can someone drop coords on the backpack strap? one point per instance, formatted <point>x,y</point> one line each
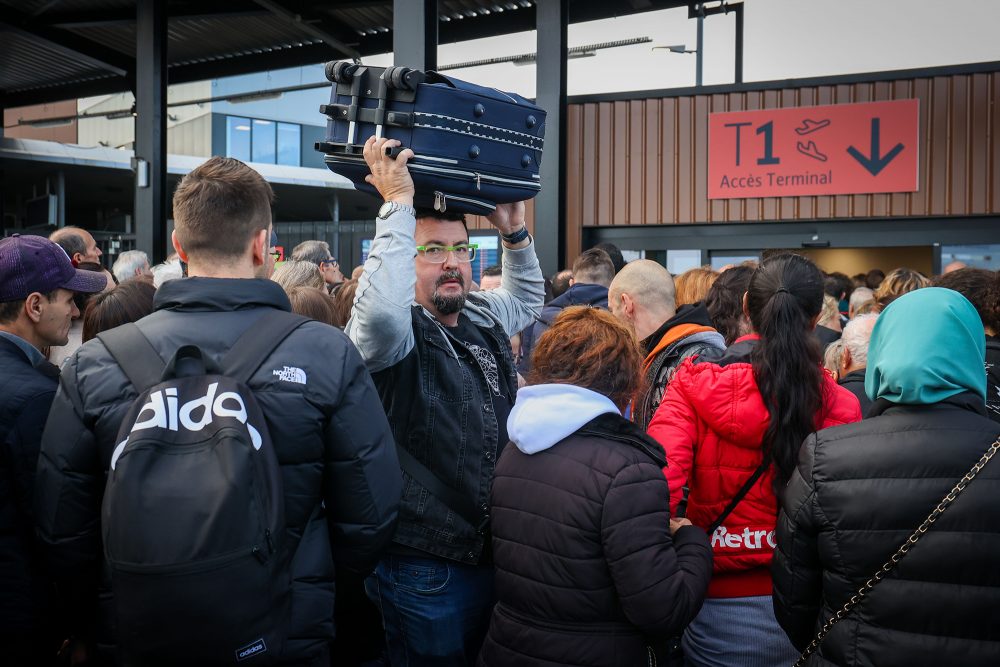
<point>135,355</point>
<point>258,342</point>
<point>457,502</point>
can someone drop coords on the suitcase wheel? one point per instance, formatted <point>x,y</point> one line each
<point>399,78</point>
<point>340,71</point>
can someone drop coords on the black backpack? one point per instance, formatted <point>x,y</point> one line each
<point>193,518</point>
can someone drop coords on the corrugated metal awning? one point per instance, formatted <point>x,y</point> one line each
<point>72,48</point>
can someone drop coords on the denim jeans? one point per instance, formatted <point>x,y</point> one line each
<point>435,612</point>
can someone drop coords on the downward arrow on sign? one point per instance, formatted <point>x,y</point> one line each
<point>876,162</point>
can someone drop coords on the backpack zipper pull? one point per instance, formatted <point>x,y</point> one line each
<point>477,181</point>
<point>270,542</point>
<point>259,555</point>
<point>440,203</point>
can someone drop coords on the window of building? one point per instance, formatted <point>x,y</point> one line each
<point>265,141</point>
<point>727,258</point>
<point>679,261</point>
<point>289,144</point>
<point>238,132</point>
<point>977,256</point>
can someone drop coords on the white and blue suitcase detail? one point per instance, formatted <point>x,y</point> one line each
<point>474,147</point>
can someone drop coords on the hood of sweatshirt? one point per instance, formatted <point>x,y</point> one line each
<point>545,414</point>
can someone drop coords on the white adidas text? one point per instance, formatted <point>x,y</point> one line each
<point>164,412</point>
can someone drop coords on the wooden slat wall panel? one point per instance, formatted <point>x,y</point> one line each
<point>993,184</point>
<point>645,161</point>
<point>979,143</point>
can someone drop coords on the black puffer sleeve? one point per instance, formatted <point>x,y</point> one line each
<point>661,582</point>
<point>68,489</point>
<point>797,571</point>
<point>362,484</point>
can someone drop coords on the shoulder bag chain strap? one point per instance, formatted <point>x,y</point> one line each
<point>898,556</point>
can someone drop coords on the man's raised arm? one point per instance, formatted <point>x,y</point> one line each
<point>381,325</point>
<point>522,286</point>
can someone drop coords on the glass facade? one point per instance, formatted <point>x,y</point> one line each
<point>263,141</point>
<point>238,132</point>
<point>289,144</point>
<point>977,256</point>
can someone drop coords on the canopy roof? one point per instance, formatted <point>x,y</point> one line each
<point>62,49</point>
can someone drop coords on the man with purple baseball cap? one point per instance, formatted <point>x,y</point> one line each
<point>37,283</point>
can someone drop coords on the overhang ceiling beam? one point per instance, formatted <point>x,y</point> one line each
<point>67,43</point>
<point>310,27</point>
<point>179,11</point>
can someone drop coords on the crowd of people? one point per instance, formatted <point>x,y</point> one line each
<point>215,460</point>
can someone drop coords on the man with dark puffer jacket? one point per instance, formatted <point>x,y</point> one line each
<point>340,473</point>
<point>642,296</point>
<point>862,489</point>
<point>37,286</point>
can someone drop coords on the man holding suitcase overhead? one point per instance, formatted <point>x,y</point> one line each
<point>442,364</point>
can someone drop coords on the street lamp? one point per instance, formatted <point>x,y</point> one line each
<point>682,48</point>
<point>676,48</point>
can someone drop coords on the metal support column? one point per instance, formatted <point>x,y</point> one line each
<point>739,42</point>
<point>151,129</point>
<point>700,49</point>
<point>552,19</point>
<point>3,194</point>
<point>415,33</point>
<point>60,198</point>
<point>334,206</point>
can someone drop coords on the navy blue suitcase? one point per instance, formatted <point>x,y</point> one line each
<point>474,147</point>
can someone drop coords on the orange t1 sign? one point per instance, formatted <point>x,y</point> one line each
<point>827,150</point>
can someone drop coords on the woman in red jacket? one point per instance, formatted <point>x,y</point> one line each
<point>732,428</point>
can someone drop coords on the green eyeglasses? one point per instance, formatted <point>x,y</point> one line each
<point>437,254</point>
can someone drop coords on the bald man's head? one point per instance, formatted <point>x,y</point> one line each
<point>78,243</point>
<point>642,294</point>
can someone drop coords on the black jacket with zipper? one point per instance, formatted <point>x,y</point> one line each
<point>859,491</point>
<point>26,394</point>
<point>587,573</point>
<point>329,431</point>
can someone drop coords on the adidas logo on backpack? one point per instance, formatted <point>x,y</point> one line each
<point>167,415</point>
<point>193,518</point>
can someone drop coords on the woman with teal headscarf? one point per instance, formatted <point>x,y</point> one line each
<point>860,490</point>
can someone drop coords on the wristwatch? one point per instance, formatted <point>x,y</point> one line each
<point>516,237</point>
<point>391,207</point>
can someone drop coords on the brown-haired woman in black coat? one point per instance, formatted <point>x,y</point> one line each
<point>590,569</point>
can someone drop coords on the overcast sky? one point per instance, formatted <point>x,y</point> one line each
<point>783,39</point>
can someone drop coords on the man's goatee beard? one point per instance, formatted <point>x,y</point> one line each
<point>448,305</point>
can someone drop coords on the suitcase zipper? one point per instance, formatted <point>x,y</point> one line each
<point>476,176</point>
<point>441,202</point>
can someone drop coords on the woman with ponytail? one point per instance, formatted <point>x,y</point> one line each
<point>732,428</point>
